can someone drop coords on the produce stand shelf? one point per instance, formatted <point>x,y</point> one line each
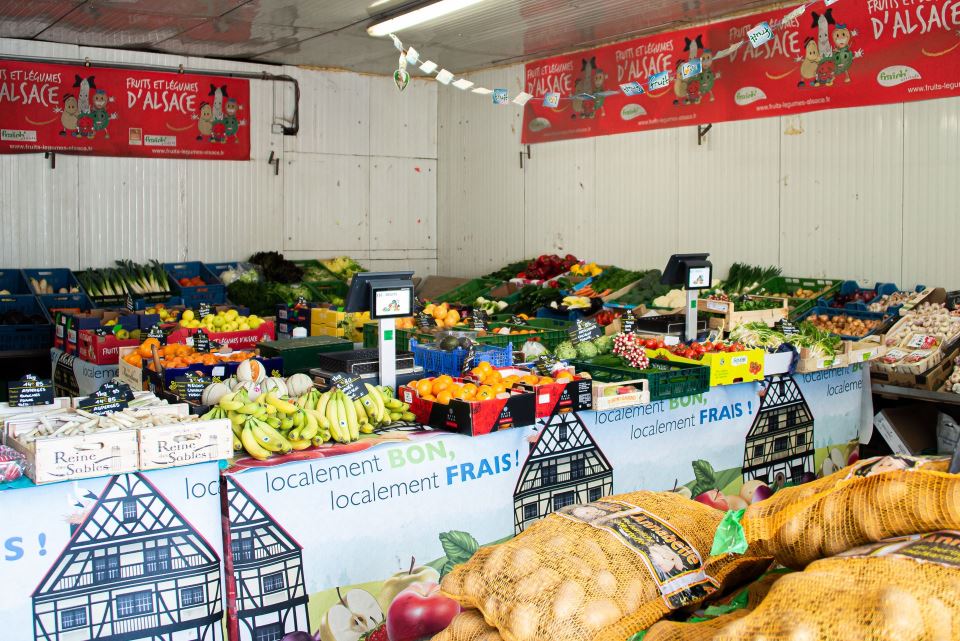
<point>667,379</point>
<point>912,393</point>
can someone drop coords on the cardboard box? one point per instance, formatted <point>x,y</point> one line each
<point>326,316</point>
<point>433,286</point>
<point>92,320</point>
<point>920,375</point>
<point>238,340</point>
<point>51,460</point>
<point>102,350</point>
<point>731,317</point>
<point>473,418</point>
<point>777,362</point>
<point>73,376</point>
<point>726,368</point>
<point>325,330</point>
<point>604,400</point>
<point>553,398</point>
<point>184,443</point>
<point>909,430</point>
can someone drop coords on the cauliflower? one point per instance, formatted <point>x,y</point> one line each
<point>604,344</point>
<point>565,351</point>
<point>587,350</point>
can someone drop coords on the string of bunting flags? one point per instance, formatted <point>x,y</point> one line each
<point>757,37</point>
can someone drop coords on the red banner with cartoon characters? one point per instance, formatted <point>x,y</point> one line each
<point>98,111</point>
<point>836,53</point>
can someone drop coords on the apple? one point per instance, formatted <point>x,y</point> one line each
<point>420,611</point>
<point>357,614</point>
<point>754,491</point>
<point>713,498</point>
<point>403,580</point>
<point>854,455</point>
<point>684,491</point>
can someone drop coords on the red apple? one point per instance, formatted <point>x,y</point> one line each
<point>420,611</point>
<point>713,498</point>
<point>854,455</point>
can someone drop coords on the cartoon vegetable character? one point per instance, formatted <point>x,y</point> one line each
<point>68,119</point>
<point>101,118</point>
<point>811,58</point>
<point>707,76</point>
<point>842,55</point>
<point>205,121</point>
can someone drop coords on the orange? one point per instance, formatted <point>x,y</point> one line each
<point>564,375</point>
<point>455,392</point>
<point>145,347</point>
<point>445,378</point>
<point>412,384</point>
<point>482,368</point>
<point>493,376</point>
<point>499,389</point>
<point>429,397</point>
<point>546,380</point>
<point>444,397</point>
<point>513,378</point>
<point>439,385</point>
<point>484,393</point>
<point>469,390</point>
<point>425,388</point>
<point>530,379</point>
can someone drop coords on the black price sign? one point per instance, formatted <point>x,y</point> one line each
<point>583,331</point>
<point>203,310</point>
<point>480,320</point>
<point>111,397</point>
<point>30,391</point>
<point>516,320</point>
<point>425,321</point>
<point>468,360</point>
<point>787,328</point>
<point>128,303</point>
<point>417,306</point>
<point>190,387</point>
<point>629,323</point>
<point>157,333</point>
<point>349,385</point>
<point>545,364</point>
<point>201,341</point>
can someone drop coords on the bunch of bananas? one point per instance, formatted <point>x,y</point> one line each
<point>273,425</point>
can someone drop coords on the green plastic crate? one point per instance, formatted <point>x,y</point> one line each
<point>321,290</point>
<point>666,378</point>
<point>469,291</point>
<point>371,337</point>
<point>798,306</point>
<point>551,332</point>
<point>300,354</point>
<point>305,264</point>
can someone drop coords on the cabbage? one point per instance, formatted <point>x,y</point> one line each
<point>565,351</point>
<point>587,350</point>
<point>604,344</point>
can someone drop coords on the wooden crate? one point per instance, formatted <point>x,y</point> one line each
<point>602,402</point>
<point>184,443</point>
<point>731,317</point>
<point>53,459</point>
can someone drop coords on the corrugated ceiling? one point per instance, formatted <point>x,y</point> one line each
<point>332,33</point>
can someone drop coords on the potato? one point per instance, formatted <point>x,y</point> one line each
<point>524,622</point>
<point>599,614</point>
<point>568,599</point>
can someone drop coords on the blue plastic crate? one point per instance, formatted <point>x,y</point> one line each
<point>13,281</point>
<point>25,337</point>
<point>437,362</point>
<point>65,301</point>
<point>57,277</point>
<point>213,292</point>
<point>218,268</point>
<point>831,311</point>
<point>572,315</point>
<point>140,304</point>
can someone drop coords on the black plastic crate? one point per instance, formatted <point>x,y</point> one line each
<point>360,361</point>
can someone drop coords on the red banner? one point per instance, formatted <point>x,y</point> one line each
<point>848,54</point>
<point>98,111</point>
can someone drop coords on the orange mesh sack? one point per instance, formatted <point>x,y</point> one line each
<point>469,626</point>
<point>869,501</point>
<point>600,571</point>
<point>704,625</point>
<point>906,590</point>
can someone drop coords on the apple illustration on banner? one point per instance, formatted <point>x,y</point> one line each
<point>420,611</point>
<point>403,580</point>
<point>357,615</point>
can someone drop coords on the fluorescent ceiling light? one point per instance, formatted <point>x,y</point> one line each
<point>418,16</point>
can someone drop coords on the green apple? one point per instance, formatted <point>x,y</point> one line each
<point>402,580</point>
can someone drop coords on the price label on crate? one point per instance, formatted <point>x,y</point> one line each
<point>128,302</point>
<point>923,341</point>
<point>468,360</point>
<point>111,397</point>
<point>480,320</point>
<point>157,333</point>
<point>628,323</point>
<point>191,386</point>
<point>30,391</point>
<point>349,385</point>
<point>425,321</point>
<point>584,330</point>
<point>203,310</point>
<point>201,341</point>
<point>787,328</point>
<point>516,320</point>
<point>545,364</point>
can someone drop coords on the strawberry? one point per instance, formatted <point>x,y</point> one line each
<point>379,633</point>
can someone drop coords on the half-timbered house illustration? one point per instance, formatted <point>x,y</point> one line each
<point>133,569</point>
<point>267,571</point>
<point>564,467</point>
<point>780,441</point>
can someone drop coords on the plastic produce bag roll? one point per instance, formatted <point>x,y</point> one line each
<point>600,571</point>
<point>871,500</point>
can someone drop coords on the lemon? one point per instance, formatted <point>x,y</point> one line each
<point>188,315</point>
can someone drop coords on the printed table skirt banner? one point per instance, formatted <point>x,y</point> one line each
<point>382,514</point>
<point>835,54</point>
<point>99,111</point>
<point>134,556</point>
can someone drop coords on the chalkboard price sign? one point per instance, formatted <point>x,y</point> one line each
<point>30,391</point>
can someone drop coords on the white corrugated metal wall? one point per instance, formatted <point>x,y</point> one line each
<point>360,179</point>
<point>862,193</point>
